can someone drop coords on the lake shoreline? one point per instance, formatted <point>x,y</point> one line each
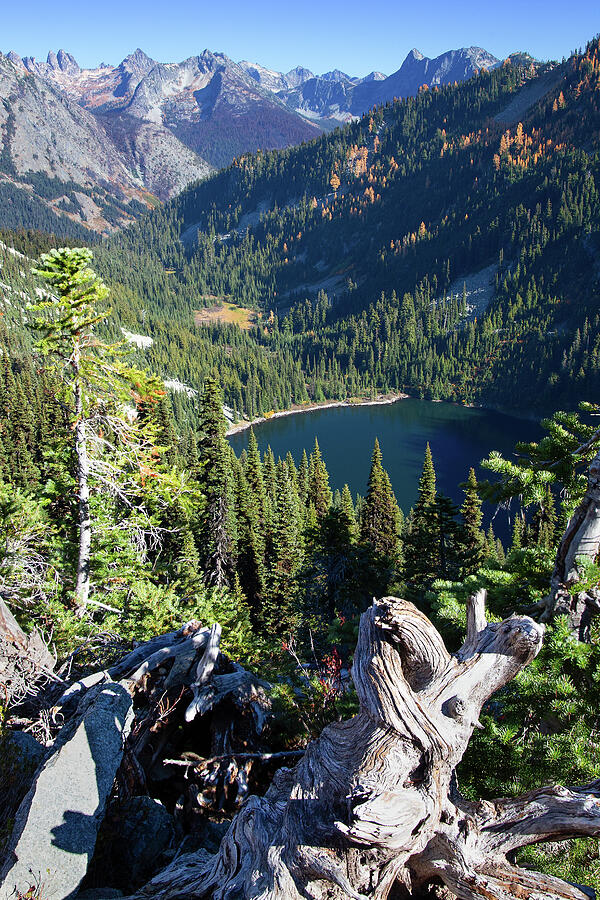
<point>312,407</point>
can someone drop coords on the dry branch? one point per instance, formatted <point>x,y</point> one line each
<point>581,540</point>
<point>373,803</point>
<point>26,663</point>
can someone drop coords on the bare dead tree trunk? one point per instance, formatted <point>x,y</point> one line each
<point>580,540</point>
<point>374,804</point>
<point>25,660</point>
<point>82,587</point>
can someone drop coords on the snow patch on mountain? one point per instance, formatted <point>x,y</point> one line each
<point>142,341</point>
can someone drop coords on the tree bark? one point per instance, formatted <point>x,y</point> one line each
<point>374,805</point>
<point>580,540</point>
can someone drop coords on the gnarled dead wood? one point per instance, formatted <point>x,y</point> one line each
<point>580,540</point>
<point>176,679</point>
<point>374,801</point>
<point>26,662</point>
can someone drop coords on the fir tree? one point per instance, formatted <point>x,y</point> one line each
<point>421,549</point>
<point>543,524</point>
<point>379,519</point>
<point>318,490</point>
<point>303,477</point>
<point>281,614</point>
<point>216,528</point>
<point>347,508</point>
<point>250,550</point>
<point>517,533</point>
<point>270,481</point>
<point>472,535</point>
<point>254,476</point>
<point>450,538</point>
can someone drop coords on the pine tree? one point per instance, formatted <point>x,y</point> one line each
<point>472,516</point>
<point>318,490</point>
<point>97,384</point>
<point>217,519</point>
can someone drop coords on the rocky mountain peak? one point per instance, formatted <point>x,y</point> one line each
<point>336,75</point>
<point>298,76</point>
<point>62,62</point>
<point>14,58</point>
<point>480,57</point>
<point>138,61</point>
<point>67,63</point>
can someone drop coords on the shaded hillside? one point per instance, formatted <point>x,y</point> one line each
<point>206,104</point>
<point>57,158</point>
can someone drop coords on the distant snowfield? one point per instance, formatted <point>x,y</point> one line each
<point>142,341</point>
<point>173,384</point>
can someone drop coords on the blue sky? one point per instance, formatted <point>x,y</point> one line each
<point>356,37</point>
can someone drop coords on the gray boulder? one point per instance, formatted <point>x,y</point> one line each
<point>30,752</point>
<point>134,835</point>
<point>57,823</point>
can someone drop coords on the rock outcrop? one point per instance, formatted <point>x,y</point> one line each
<point>92,810</point>
<point>372,808</point>
<point>56,826</point>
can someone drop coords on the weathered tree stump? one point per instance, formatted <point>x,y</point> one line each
<point>373,809</point>
<point>580,540</point>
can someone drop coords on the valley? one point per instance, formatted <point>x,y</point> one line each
<point>300,476</point>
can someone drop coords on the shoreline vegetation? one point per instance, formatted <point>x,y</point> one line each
<point>311,407</point>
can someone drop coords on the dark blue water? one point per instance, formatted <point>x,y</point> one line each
<point>459,438</point>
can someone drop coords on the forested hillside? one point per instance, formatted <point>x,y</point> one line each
<point>355,249</point>
<point>359,253</point>
<point>115,528</point>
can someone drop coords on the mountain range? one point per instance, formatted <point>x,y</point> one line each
<point>96,146</point>
<point>340,97</point>
<point>445,245</point>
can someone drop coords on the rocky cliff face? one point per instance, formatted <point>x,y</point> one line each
<point>338,96</point>
<point>115,133</point>
<point>61,154</point>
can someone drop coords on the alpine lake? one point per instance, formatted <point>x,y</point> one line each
<point>459,437</point>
